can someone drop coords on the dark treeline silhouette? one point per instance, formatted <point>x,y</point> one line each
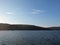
<point>24,27</point>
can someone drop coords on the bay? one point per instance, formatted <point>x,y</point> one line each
<point>30,37</point>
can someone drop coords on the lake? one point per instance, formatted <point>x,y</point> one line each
<point>30,37</point>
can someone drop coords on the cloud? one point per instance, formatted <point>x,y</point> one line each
<point>9,13</point>
<point>35,11</point>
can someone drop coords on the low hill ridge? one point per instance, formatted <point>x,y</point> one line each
<point>20,27</point>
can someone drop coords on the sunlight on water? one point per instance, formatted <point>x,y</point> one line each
<point>30,37</point>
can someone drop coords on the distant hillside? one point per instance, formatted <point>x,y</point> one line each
<point>24,27</point>
<point>4,26</point>
<point>21,27</point>
<point>55,28</point>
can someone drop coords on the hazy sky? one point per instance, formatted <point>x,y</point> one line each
<point>35,12</point>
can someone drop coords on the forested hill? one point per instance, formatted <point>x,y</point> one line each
<point>20,27</point>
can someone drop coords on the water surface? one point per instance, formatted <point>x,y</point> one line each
<point>30,37</point>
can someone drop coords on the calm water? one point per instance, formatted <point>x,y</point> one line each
<point>30,37</point>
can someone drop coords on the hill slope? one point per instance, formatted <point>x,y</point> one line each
<point>21,27</point>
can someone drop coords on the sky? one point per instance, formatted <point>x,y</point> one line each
<point>35,12</point>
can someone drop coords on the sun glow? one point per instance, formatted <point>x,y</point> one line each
<point>4,19</point>
<point>7,19</point>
